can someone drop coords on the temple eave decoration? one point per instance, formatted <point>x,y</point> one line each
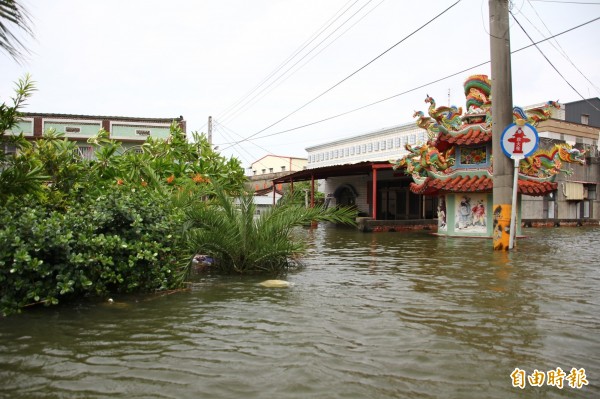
<point>477,184</point>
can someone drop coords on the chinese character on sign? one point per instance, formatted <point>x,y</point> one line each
<point>577,378</point>
<point>556,377</point>
<point>518,378</point>
<point>518,139</point>
<point>537,378</point>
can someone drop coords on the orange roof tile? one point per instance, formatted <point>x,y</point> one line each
<point>472,136</point>
<point>477,184</point>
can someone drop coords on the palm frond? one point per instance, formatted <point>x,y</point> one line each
<point>228,230</point>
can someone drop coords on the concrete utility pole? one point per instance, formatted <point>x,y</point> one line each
<point>502,105</point>
<point>210,130</point>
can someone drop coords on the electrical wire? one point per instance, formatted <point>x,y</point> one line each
<point>226,114</point>
<point>249,103</point>
<point>414,88</point>
<point>311,38</point>
<point>221,125</point>
<point>355,72</point>
<point>559,49</point>
<point>550,62</point>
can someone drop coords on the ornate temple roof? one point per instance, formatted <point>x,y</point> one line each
<point>432,165</point>
<point>478,184</point>
<point>474,135</point>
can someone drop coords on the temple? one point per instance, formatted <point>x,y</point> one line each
<point>455,163</point>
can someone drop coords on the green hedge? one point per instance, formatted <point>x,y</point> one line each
<point>119,242</point>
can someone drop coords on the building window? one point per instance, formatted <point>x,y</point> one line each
<point>585,119</point>
<point>10,149</point>
<point>352,150</point>
<point>397,142</point>
<point>270,170</point>
<point>363,148</point>
<point>86,152</point>
<point>264,171</point>
<point>591,191</point>
<point>283,168</point>
<point>346,151</point>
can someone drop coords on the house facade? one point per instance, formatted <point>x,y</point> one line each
<point>261,173</point>
<point>130,131</point>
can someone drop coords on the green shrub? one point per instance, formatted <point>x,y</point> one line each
<point>119,242</point>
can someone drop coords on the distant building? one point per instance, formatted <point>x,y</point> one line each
<point>261,173</point>
<point>130,131</point>
<point>585,112</point>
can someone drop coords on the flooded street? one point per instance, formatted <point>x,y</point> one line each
<point>382,315</point>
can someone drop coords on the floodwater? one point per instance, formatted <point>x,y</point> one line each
<point>382,315</point>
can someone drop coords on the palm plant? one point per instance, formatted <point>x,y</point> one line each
<point>12,14</point>
<point>229,230</point>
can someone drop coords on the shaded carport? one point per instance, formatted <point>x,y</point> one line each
<point>361,168</point>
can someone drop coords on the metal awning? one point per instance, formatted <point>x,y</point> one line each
<point>361,168</point>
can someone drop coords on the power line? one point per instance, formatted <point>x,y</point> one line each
<point>311,38</point>
<point>221,125</point>
<point>550,62</point>
<point>353,73</point>
<point>415,88</point>
<point>559,49</point>
<point>249,103</point>
<point>303,46</point>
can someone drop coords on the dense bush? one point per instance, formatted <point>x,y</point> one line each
<point>122,241</point>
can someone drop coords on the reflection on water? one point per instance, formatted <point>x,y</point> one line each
<point>383,315</point>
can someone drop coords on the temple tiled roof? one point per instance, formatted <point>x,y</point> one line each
<point>477,184</point>
<point>535,188</point>
<point>472,136</point>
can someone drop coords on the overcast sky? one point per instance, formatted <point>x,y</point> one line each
<point>256,66</point>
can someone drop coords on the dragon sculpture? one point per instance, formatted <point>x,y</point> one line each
<point>449,117</point>
<point>425,157</point>
<point>547,163</point>
<point>535,115</point>
<point>445,125</point>
<point>427,123</point>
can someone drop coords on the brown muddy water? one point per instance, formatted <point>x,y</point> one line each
<point>382,315</point>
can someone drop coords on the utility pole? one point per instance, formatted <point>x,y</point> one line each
<point>210,130</point>
<point>502,105</point>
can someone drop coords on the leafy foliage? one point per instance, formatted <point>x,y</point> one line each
<point>13,14</point>
<point>229,230</point>
<point>122,241</point>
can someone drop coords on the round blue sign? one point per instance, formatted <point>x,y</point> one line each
<point>519,141</point>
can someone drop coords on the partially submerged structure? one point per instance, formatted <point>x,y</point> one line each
<point>455,164</point>
<point>447,154</point>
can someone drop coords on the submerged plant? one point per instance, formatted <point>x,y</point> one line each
<point>229,230</point>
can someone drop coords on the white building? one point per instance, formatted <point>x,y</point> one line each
<point>276,164</point>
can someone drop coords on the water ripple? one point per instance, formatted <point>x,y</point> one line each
<point>370,316</point>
